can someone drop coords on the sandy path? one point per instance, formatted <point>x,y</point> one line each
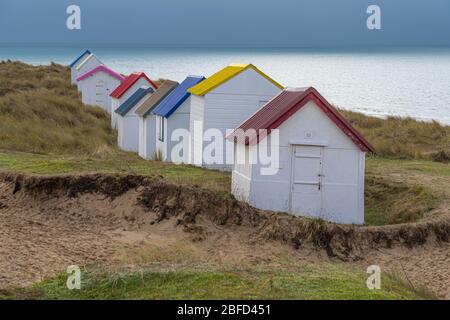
<point>426,267</point>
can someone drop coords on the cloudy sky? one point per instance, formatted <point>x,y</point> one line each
<point>291,23</point>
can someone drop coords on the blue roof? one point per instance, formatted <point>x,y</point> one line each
<point>133,100</point>
<point>177,96</point>
<point>79,57</point>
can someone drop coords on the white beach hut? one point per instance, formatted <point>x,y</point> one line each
<point>221,102</point>
<point>320,171</point>
<point>128,120</point>
<point>73,66</point>
<point>149,129</point>
<point>87,64</point>
<point>172,113</point>
<point>97,84</point>
<point>126,89</point>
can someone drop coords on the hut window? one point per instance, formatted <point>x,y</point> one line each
<point>161,128</point>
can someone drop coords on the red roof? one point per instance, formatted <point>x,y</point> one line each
<point>284,105</point>
<point>128,82</point>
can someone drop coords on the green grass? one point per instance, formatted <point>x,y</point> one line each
<point>389,202</point>
<point>398,191</point>
<point>122,163</point>
<point>376,165</point>
<point>312,282</point>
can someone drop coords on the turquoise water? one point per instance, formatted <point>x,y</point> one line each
<point>394,81</point>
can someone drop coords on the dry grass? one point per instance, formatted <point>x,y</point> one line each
<point>390,202</point>
<point>41,112</point>
<point>403,138</point>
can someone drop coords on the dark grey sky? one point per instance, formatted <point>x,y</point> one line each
<point>226,22</point>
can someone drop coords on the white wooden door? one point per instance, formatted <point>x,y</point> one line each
<point>306,180</point>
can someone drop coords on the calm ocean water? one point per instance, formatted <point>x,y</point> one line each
<point>393,81</point>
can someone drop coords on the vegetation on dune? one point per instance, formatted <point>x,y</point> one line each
<point>311,282</point>
<point>403,138</point>
<point>41,112</point>
<point>389,202</point>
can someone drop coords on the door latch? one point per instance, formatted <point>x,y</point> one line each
<point>320,180</point>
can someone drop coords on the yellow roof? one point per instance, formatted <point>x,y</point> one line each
<point>223,76</point>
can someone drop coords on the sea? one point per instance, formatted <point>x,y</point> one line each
<point>383,81</point>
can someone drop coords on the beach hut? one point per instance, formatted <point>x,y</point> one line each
<point>97,84</point>
<point>148,127</point>
<point>73,66</point>
<point>128,120</point>
<point>221,102</point>
<point>320,170</point>
<point>174,112</point>
<point>129,86</point>
<point>87,64</point>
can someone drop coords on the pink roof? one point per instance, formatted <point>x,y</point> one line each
<point>101,68</point>
<point>284,105</point>
<point>128,83</point>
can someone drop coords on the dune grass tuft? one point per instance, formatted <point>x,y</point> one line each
<point>389,202</point>
<point>402,138</point>
<point>40,112</point>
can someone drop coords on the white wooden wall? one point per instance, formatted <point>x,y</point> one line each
<point>128,132</point>
<point>128,128</point>
<point>197,113</point>
<point>147,136</point>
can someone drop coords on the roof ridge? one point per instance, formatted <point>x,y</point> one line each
<point>225,74</point>
<point>133,100</point>
<point>72,64</point>
<point>288,102</point>
<point>164,90</point>
<point>86,60</point>
<point>103,68</point>
<point>129,81</point>
<point>177,97</point>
